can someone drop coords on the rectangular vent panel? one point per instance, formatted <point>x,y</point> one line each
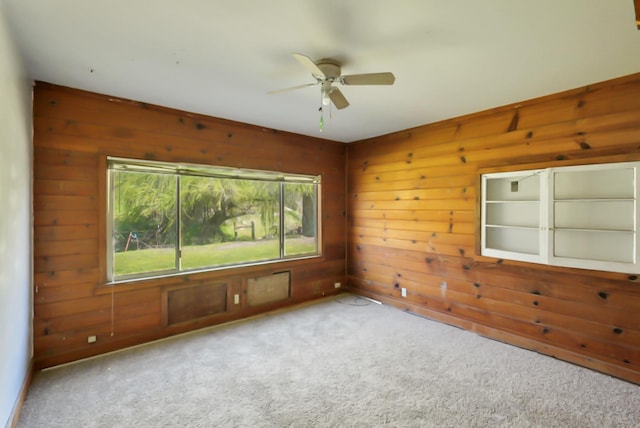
<point>268,288</point>
<point>185,304</point>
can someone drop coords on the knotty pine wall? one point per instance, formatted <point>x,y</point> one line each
<point>74,132</point>
<point>413,222</point>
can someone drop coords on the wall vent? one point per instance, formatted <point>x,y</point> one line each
<point>185,304</point>
<point>268,289</point>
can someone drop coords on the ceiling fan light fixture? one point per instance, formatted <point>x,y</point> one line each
<point>325,98</point>
<point>326,94</point>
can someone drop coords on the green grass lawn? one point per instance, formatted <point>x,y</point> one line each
<point>292,221</point>
<point>201,256</point>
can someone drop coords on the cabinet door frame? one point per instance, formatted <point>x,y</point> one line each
<point>633,266</point>
<point>515,176</point>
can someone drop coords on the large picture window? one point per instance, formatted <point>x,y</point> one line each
<point>166,218</point>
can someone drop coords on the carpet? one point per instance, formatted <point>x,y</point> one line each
<point>340,362</point>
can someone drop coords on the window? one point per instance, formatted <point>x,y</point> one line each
<point>167,218</point>
<point>575,216</point>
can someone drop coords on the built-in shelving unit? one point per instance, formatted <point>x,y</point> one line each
<point>512,215</point>
<point>577,216</point>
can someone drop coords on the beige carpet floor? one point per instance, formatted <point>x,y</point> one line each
<point>342,362</point>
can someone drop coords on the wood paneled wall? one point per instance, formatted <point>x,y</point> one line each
<point>413,222</point>
<point>74,133</point>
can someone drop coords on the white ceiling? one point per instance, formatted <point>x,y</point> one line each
<point>221,57</point>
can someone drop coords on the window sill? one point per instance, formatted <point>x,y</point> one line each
<point>201,274</point>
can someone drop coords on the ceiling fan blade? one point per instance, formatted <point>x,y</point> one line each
<point>277,91</point>
<point>309,64</point>
<point>369,79</point>
<point>338,99</point>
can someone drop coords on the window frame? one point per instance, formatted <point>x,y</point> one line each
<point>179,169</point>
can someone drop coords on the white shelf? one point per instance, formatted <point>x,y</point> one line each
<point>513,201</point>
<point>594,245</point>
<point>519,240</point>
<point>594,200</point>
<point>506,226</point>
<point>577,229</point>
<point>605,215</point>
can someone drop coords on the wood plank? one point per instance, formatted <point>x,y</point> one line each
<point>72,307</point>
<point>69,247</point>
<point>65,187</point>
<point>415,194</point>
<point>65,202</point>
<point>428,247</point>
<point>62,172</point>
<point>65,233</point>
<point>418,216</point>
<point>65,262</point>
<point>369,183</point>
<point>56,293</point>
<point>460,204</point>
<point>421,232</point>
<point>418,177</point>
<point>60,278</point>
<point>61,325</point>
<point>46,157</point>
<point>432,228</point>
<point>64,217</point>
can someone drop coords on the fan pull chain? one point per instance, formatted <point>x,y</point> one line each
<point>321,119</point>
<point>112,301</point>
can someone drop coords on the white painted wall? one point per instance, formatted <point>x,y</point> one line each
<point>16,234</point>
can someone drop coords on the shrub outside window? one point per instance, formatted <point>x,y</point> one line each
<point>167,218</point>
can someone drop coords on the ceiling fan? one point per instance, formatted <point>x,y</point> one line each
<point>327,72</point>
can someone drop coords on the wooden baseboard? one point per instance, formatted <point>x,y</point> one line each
<point>17,407</point>
<point>511,338</point>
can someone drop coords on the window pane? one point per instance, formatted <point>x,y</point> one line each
<point>300,219</point>
<point>228,221</point>
<point>221,216</point>
<point>144,222</point>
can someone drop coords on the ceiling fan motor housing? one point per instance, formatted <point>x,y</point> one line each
<point>330,68</point>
